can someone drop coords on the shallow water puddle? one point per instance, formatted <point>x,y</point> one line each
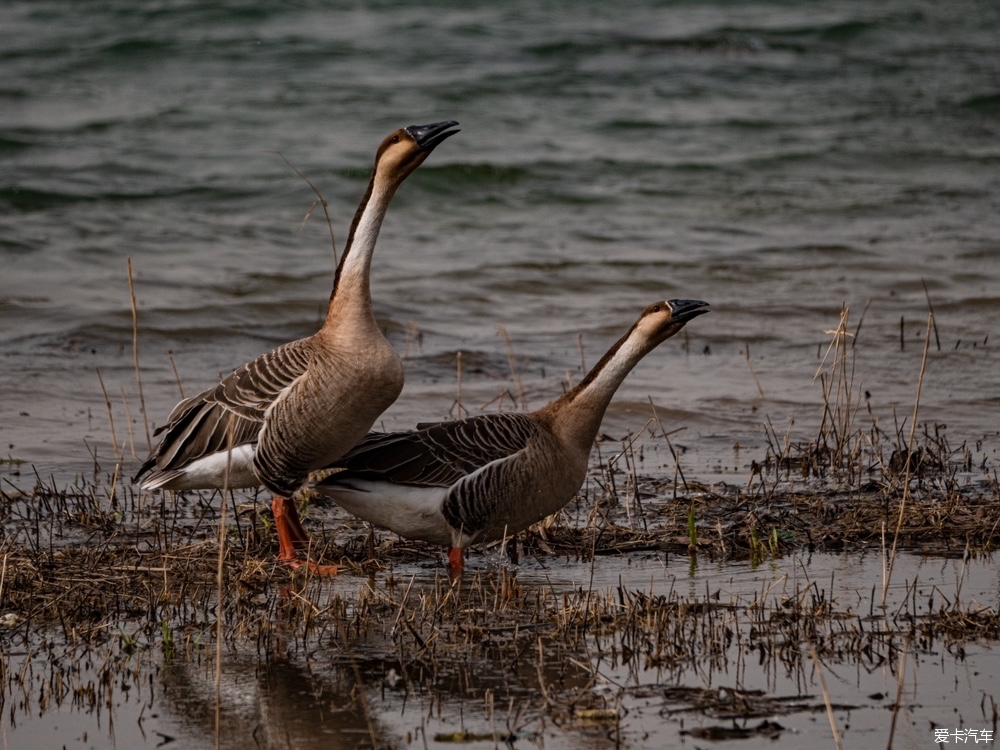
<point>728,663</point>
<point>757,692</point>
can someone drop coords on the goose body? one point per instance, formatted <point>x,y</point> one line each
<point>306,403</point>
<point>485,477</point>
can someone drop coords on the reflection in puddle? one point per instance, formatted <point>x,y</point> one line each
<point>644,651</point>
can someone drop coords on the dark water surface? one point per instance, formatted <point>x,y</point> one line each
<point>776,159</point>
<point>779,159</point>
<point>308,697</point>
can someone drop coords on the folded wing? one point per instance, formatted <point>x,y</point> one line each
<point>437,455</point>
<point>200,426</point>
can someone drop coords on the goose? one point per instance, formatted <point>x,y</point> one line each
<point>486,477</point>
<point>306,403</point>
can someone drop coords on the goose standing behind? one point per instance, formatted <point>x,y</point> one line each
<point>490,476</point>
<point>306,403</point>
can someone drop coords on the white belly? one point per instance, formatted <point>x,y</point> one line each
<point>209,473</point>
<point>411,512</point>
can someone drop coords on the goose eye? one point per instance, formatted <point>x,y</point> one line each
<point>395,139</point>
<point>656,308</point>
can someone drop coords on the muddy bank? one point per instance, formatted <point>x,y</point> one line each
<point>647,610</point>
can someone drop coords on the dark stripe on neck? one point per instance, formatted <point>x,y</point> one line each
<point>350,234</point>
<point>601,364</point>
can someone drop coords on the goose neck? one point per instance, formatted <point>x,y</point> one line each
<point>351,285</point>
<point>578,413</point>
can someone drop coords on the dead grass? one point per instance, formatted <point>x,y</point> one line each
<point>93,571</point>
<point>101,586</point>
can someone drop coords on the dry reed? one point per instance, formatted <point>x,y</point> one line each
<point>909,454</point>
<point>514,373</point>
<point>86,562</point>
<point>135,356</point>
<point>320,200</point>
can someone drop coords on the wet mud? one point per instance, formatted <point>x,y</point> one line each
<point>647,613</point>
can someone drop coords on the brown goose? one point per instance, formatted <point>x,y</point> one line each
<point>481,478</point>
<point>306,403</point>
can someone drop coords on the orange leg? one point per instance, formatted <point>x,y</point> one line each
<point>456,562</point>
<point>292,537</point>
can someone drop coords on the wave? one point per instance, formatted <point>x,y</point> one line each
<point>144,50</point>
<point>460,175</point>
<point>28,200</point>
<point>724,40</point>
<point>987,104</point>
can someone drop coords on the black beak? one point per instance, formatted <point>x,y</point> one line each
<point>683,310</point>
<point>429,136</point>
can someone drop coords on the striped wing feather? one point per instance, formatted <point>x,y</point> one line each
<point>200,426</point>
<point>475,502</point>
<point>437,455</point>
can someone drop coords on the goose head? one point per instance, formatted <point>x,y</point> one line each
<point>661,320</point>
<point>405,149</point>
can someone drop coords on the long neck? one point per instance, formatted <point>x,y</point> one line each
<point>577,415</point>
<point>351,285</point>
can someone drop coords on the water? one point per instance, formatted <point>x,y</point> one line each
<point>776,159</point>
<point>306,697</point>
<point>779,159</point>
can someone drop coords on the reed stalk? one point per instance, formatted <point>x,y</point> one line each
<point>899,691</point>
<point>135,356</point>
<point>111,418</point>
<point>746,356</point>
<point>220,585</point>
<point>320,200</point>
<point>930,309</point>
<point>177,377</point>
<point>910,459</point>
<point>512,361</point>
<point>670,446</point>
<point>826,697</point>
<point>3,577</point>
<point>458,386</point>
<point>128,422</point>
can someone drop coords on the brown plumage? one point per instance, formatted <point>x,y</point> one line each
<point>481,478</point>
<point>305,403</point>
